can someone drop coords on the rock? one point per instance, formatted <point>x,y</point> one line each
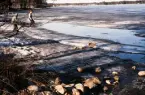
<point>92,82</point>
<point>115,83</point>
<point>75,92</point>
<point>108,82</point>
<point>89,83</point>
<point>60,89</point>
<point>57,81</point>
<point>141,73</point>
<point>96,80</point>
<point>98,70</point>
<point>67,93</point>
<point>105,88</point>
<point>38,83</point>
<point>47,93</point>
<point>116,78</point>
<point>133,67</point>
<point>32,88</point>
<point>92,45</point>
<point>80,69</point>
<point>80,87</point>
<point>115,73</point>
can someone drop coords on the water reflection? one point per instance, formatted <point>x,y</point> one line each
<point>130,42</point>
<point>117,35</point>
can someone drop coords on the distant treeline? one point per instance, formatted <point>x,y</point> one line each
<point>103,3</point>
<point>25,4</point>
<point>21,4</point>
<point>3,4</point>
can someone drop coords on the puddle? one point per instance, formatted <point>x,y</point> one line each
<point>135,57</point>
<point>133,49</point>
<point>130,42</point>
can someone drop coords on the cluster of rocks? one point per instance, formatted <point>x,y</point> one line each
<point>89,45</point>
<point>140,73</point>
<point>60,88</point>
<point>89,86</point>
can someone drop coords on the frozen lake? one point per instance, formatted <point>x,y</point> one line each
<point>127,38</point>
<point>132,45</point>
<point>117,35</point>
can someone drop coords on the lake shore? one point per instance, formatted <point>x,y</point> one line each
<point>47,51</point>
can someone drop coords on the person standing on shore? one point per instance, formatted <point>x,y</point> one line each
<point>32,22</point>
<point>15,23</point>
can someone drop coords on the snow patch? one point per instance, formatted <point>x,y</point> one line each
<point>21,52</point>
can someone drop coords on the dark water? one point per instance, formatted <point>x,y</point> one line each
<point>135,57</point>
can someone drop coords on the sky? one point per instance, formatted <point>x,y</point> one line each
<point>83,1</point>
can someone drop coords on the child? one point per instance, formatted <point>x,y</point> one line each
<point>15,23</point>
<point>32,22</point>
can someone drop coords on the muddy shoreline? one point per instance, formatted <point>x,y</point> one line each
<point>63,63</point>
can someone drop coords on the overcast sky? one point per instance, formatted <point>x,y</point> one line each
<point>83,1</point>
